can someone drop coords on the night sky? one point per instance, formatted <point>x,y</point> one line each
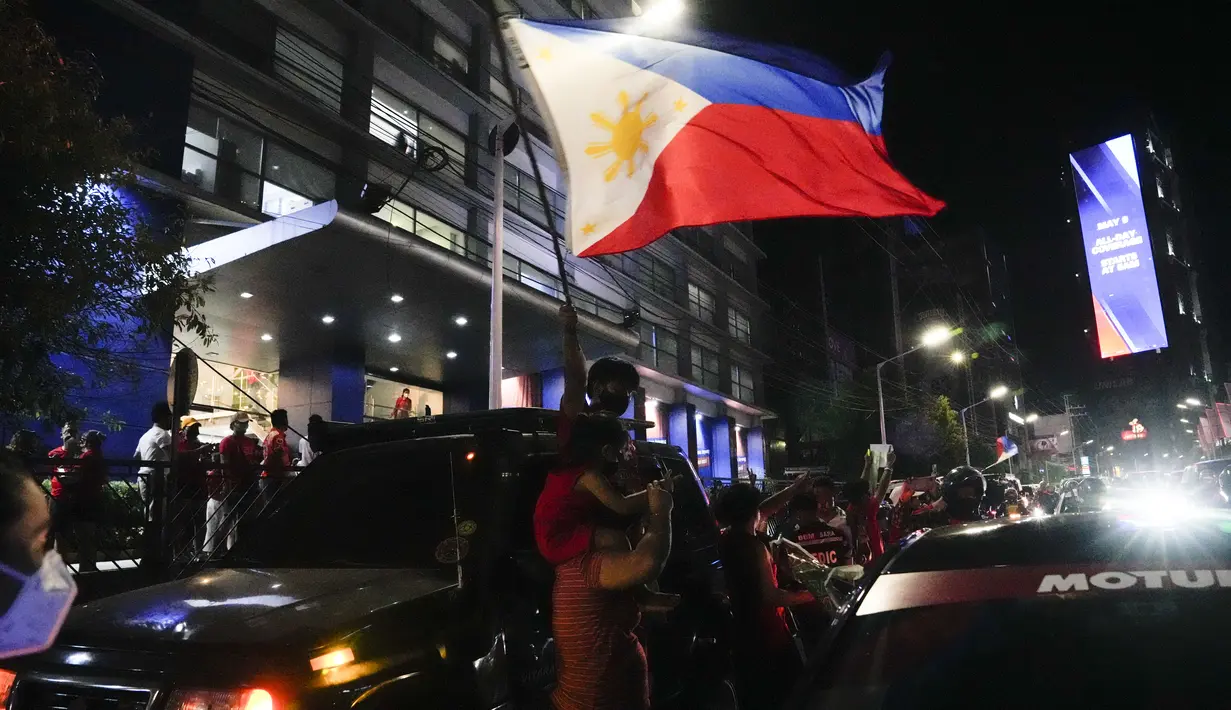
<point>982,109</point>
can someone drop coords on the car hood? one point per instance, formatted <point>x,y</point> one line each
<point>248,605</point>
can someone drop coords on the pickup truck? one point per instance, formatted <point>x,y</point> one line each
<point>398,570</point>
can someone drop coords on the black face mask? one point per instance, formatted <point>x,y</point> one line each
<point>612,402</point>
<point>964,509</point>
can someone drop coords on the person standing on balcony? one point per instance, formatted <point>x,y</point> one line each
<point>154,446</point>
<point>89,500</point>
<point>404,405</point>
<point>229,488</point>
<point>62,480</point>
<point>307,450</point>
<point>276,463</point>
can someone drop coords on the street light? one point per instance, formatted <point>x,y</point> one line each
<point>1063,433</point>
<point>1015,417</point>
<point>931,338</point>
<point>1193,402</point>
<point>1111,448</point>
<point>996,393</point>
<point>1032,418</point>
<point>1184,421</point>
<point>957,357</point>
<point>1181,406</point>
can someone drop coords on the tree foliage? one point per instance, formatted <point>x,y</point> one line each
<point>86,277</point>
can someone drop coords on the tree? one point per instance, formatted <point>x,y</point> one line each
<point>950,440</point>
<point>87,279</point>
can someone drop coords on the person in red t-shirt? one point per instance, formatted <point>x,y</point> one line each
<point>403,405</point>
<point>862,513</point>
<point>276,461</point>
<point>61,503</point>
<point>230,489</point>
<point>88,499</point>
<point>190,495</point>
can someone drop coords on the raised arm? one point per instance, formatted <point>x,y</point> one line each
<point>776,502</point>
<point>599,487</point>
<point>626,569</point>
<point>573,401</point>
<point>869,471</point>
<point>882,487</point>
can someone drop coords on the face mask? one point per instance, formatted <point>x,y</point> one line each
<point>31,624</point>
<point>613,402</point>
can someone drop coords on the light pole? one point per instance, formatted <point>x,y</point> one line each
<point>931,338</point>
<point>997,392</point>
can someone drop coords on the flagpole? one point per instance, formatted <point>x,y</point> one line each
<point>496,354</point>
<point>503,50</point>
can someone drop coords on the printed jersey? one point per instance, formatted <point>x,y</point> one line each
<point>827,544</point>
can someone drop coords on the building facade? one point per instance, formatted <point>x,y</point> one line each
<point>277,127</point>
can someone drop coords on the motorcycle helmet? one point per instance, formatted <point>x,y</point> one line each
<point>1011,495</point>
<point>963,490</point>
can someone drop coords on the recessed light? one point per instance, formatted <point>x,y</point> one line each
<point>326,319</point>
<point>393,369</point>
<point>395,338</point>
<point>267,337</point>
<point>451,355</point>
<point>461,320</point>
<point>396,298</point>
<point>245,294</point>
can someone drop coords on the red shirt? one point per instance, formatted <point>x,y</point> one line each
<point>57,488</point>
<point>92,475</point>
<point>239,473</point>
<point>563,516</point>
<point>192,470</point>
<point>600,662</point>
<point>277,455</point>
<point>871,527</point>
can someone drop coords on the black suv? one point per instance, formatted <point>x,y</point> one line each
<point>399,570</point>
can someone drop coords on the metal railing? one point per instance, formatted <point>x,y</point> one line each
<point>144,518</point>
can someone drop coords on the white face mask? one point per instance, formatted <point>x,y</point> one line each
<point>31,624</point>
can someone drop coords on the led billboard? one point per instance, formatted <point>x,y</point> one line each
<point>1127,309</point>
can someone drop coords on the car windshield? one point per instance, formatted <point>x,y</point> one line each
<point>1136,649</point>
<point>377,506</point>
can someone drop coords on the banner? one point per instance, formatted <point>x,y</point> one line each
<point>1224,418</point>
<point>1215,432</point>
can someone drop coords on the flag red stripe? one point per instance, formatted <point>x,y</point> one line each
<point>732,163</point>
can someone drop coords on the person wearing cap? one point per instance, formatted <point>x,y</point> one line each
<point>228,494</point>
<point>191,484</point>
<point>88,499</point>
<point>276,459</point>
<point>154,446</point>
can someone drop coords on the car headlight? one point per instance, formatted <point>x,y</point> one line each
<point>241,699</point>
<point>6,686</point>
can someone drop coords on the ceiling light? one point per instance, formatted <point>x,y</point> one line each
<point>1193,402</point>
<point>327,319</point>
<point>267,337</point>
<point>698,416</point>
<point>452,355</point>
<point>245,294</point>
<point>460,320</point>
<point>393,369</point>
<point>396,298</point>
<point>395,338</point>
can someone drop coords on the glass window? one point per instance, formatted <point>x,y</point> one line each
<point>741,383</point>
<point>739,326</point>
<point>297,174</point>
<point>222,157</point>
<point>700,303</point>
<point>500,92</point>
<point>440,135</point>
<point>399,214</point>
<point>1179,297</point>
<point>279,201</point>
<point>705,366</point>
<point>1158,183</point>
<point>660,348</point>
<point>451,55</point>
<point>394,121</point>
<point>308,68</point>
<point>198,169</point>
<point>439,232</point>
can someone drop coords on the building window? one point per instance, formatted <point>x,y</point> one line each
<point>741,383</point>
<point>739,326</point>
<point>402,125</point>
<point>580,9</point>
<point>1170,243</point>
<point>237,163</point>
<point>308,68</point>
<point>430,228</point>
<point>648,271</point>
<point>660,348</point>
<point>1167,157</point>
<point>700,303</point>
<point>499,91</point>
<point>705,366</point>
<point>1179,298</point>
<point>451,56</point>
<point>1158,183</point>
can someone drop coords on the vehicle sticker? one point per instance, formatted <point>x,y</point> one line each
<point>452,550</point>
<point>467,527</point>
<point>892,592</point>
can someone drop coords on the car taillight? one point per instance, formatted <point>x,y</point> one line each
<point>6,685</point>
<point>245,699</point>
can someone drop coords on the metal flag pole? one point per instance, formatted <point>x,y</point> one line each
<point>503,50</point>
<point>502,140</point>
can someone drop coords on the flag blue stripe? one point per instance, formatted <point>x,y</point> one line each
<point>724,78</point>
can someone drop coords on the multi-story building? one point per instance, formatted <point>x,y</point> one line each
<point>274,125</point>
<point>1151,387</point>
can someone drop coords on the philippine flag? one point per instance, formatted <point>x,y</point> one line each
<point>1005,449</point>
<point>657,133</point>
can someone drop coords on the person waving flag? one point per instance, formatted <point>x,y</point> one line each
<point>659,132</point>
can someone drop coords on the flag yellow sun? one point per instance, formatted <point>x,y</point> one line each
<point>626,136</point>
